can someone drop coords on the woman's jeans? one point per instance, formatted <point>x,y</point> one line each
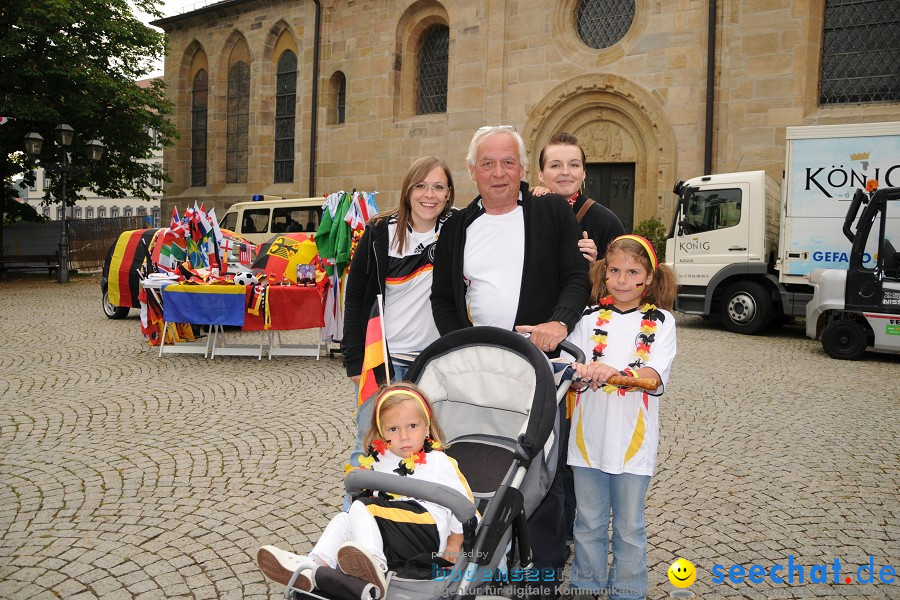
<point>364,419</point>
<point>626,496</point>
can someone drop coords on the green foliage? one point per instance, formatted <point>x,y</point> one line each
<point>76,62</point>
<point>14,211</point>
<point>655,231</point>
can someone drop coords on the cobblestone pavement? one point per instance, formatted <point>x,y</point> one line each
<point>123,475</point>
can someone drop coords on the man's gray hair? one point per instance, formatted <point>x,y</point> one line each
<point>484,132</point>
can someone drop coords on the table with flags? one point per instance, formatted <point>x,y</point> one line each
<point>277,308</point>
<point>269,309</point>
<point>192,285</point>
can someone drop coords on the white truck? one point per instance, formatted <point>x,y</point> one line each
<point>742,246</point>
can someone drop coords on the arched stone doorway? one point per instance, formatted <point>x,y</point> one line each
<point>619,123</point>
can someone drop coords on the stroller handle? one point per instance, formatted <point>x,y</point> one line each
<point>644,383</point>
<point>572,349</point>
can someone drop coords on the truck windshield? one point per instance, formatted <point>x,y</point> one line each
<point>708,210</point>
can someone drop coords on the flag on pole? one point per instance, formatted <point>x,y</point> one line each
<point>5,120</point>
<point>245,254</point>
<point>225,248</point>
<point>362,208</point>
<point>173,250</point>
<point>203,225</point>
<point>375,354</point>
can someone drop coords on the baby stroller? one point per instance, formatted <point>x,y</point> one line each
<point>496,397</point>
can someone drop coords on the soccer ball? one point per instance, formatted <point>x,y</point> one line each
<point>245,278</point>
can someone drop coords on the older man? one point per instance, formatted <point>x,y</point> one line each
<point>506,250</point>
<point>511,261</point>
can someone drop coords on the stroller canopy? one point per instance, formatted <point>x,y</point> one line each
<point>489,381</point>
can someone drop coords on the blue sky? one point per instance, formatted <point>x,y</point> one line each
<point>169,8</point>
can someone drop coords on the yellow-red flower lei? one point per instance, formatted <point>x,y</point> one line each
<point>406,466</point>
<point>644,339</point>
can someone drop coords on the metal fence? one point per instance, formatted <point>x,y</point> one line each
<point>89,239</point>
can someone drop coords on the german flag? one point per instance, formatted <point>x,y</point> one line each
<point>125,258</point>
<point>375,355</point>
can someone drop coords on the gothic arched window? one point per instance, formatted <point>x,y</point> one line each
<point>285,112</point>
<point>431,84</point>
<point>238,123</point>
<point>199,106</point>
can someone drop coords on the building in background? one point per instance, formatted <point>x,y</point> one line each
<point>94,206</point>
<point>656,91</point>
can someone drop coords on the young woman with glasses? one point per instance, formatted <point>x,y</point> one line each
<point>394,258</point>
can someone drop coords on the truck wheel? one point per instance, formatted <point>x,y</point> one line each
<point>746,308</point>
<point>845,339</point>
<point>111,310</point>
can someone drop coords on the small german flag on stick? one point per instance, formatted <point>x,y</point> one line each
<point>375,355</point>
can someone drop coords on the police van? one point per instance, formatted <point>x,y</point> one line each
<point>264,217</point>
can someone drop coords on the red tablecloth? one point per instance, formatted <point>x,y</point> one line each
<point>290,307</point>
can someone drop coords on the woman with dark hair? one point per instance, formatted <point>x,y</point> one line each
<point>562,172</point>
<point>394,258</point>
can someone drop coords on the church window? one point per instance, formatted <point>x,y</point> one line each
<point>602,23</point>
<point>860,52</point>
<point>285,113</point>
<point>199,105</point>
<point>431,90</point>
<point>238,123</point>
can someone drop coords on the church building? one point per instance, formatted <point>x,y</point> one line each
<point>307,97</point>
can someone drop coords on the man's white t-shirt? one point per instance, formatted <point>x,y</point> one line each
<point>492,266</point>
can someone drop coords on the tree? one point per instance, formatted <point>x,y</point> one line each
<point>654,230</point>
<point>76,62</point>
<point>18,211</point>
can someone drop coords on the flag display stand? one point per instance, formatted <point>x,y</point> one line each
<point>287,308</point>
<point>203,348</point>
<point>294,349</point>
<point>226,349</point>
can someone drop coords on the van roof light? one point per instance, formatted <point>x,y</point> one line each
<point>256,197</point>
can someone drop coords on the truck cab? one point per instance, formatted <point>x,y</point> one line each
<point>722,245</point>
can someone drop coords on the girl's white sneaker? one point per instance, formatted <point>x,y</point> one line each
<point>355,560</point>
<point>279,566</point>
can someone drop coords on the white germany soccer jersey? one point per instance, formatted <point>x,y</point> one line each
<point>408,321</point>
<point>612,430</point>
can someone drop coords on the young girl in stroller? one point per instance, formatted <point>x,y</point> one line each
<point>382,532</point>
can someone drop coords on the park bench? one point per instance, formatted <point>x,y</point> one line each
<point>29,261</point>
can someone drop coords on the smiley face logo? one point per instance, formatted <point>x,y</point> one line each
<point>682,573</point>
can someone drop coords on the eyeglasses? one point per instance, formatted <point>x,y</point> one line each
<point>513,127</point>
<point>438,188</point>
<point>508,164</point>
